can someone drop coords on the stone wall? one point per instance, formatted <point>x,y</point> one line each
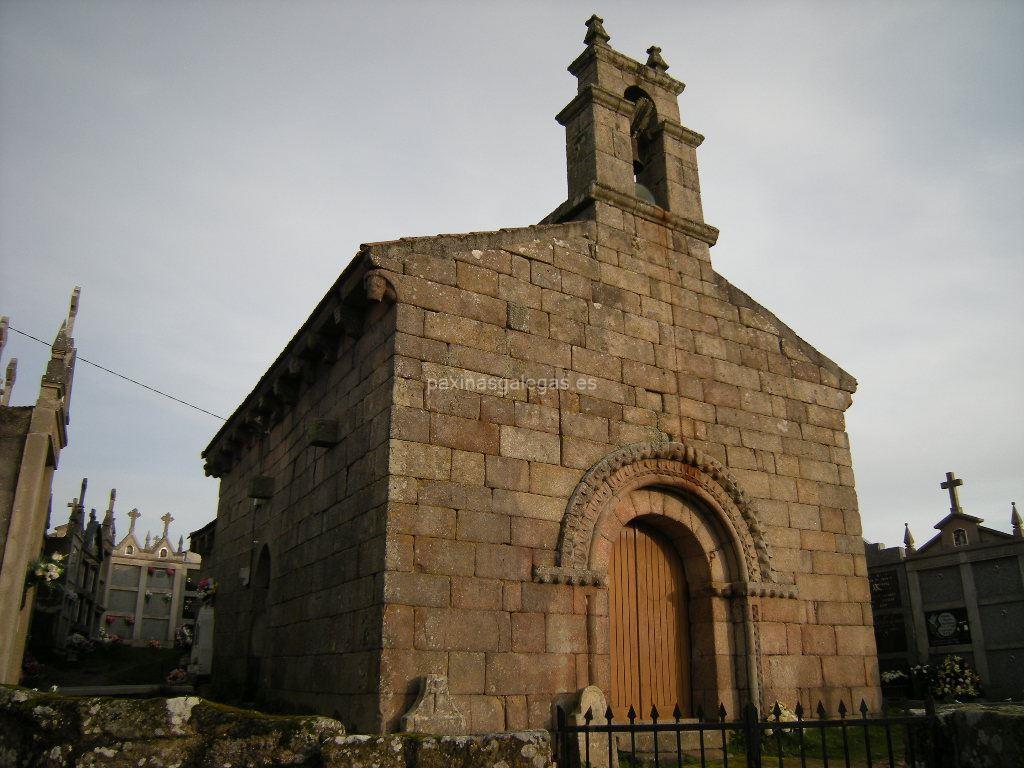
<point>51,730</point>
<point>972,736</point>
<point>14,426</point>
<point>323,531</point>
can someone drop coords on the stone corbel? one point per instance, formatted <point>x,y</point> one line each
<point>556,574</point>
<point>755,589</point>
<point>380,285</point>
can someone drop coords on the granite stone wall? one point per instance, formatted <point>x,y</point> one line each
<point>323,529</point>
<point>50,730</point>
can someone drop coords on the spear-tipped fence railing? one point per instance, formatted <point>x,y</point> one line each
<point>749,740</point>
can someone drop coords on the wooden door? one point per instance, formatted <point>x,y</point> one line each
<point>650,640</point>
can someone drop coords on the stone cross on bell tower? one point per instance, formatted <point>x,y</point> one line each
<point>133,516</point>
<point>951,484</point>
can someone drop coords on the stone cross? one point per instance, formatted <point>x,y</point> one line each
<point>951,484</point>
<point>133,516</point>
<point>167,519</point>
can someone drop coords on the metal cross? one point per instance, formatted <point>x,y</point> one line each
<point>951,484</point>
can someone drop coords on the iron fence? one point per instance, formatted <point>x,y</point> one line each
<point>750,740</point>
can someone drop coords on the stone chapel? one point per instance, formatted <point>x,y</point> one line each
<point>527,461</point>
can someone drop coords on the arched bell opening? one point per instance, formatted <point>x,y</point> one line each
<point>648,162</point>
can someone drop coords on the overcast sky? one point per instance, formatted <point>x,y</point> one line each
<point>205,170</point>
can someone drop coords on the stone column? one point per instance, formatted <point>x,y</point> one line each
<point>974,618</point>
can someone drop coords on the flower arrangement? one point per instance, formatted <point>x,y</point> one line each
<point>170,571</point>
<point>149,595</point>
<point>107,640</point>
<point>155,644</point>
<point>167,597</point>
<point>207,588</point>
<point>80,643</point>
<point>893,676</point>
<point>951,678</point>
<point>44,570</point>
<point>151,570</point>
<point>779,712</point>
<point>109,619</point>
<point>176,676</point>
<point>129,620</point>
<point>183,637</point>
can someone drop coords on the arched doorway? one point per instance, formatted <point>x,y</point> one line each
<point>648,624</point>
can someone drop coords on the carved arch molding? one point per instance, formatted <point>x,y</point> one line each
<point>674,465</point>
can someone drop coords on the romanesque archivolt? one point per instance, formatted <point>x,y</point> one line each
<point>668,465</point>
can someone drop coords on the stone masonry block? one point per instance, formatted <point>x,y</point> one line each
<point>530,444</point>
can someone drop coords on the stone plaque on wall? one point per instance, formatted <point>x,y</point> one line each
<point>948,627</point>
<point>941,585</point>
<point>1006,674</point>
<point>1003,623</point>
<point>885,590</point>
<point>890,633</point>
<point>997,577</point>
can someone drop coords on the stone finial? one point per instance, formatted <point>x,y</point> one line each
<point>146,545</point>
<point>908,538</point>
<point>7,383</point>
<point>595,32</point>
<point>69,324</point>
<point>7,387</point>
<point>181,544</point>
<point>133,516</point>
<point>655,61</point>
<point>1016,522</point>
<point>434,711</point>
<point>108,519</point>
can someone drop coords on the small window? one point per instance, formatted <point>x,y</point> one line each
<point>959,538</point>
<point>129,550</point>
<point>163,552</point>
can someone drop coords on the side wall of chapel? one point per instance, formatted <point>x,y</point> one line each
<point>323,529</point>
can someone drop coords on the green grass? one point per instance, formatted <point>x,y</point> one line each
<point>790,744</point>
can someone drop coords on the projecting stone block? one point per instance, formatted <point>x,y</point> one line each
<point>261,487</point>
<point>324,433</point>
<point>434,711</point>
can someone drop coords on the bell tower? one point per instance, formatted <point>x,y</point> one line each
<point>625,146</point>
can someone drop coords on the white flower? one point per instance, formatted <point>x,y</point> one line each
<point>58,557</point>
